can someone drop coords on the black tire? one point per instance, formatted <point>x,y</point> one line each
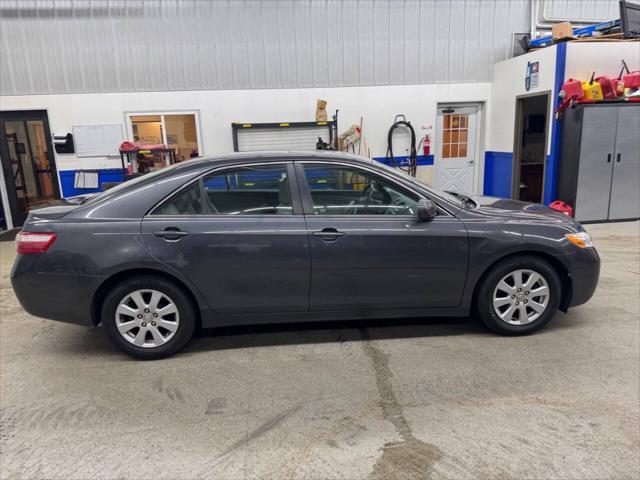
<point>484,296</point>
<point>185,308</point>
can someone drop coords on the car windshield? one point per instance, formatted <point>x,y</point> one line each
<point>414,181</point>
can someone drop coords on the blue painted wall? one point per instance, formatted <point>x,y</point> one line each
<point>421,160</point>
<point>67,178</point>
<point>498,171</point>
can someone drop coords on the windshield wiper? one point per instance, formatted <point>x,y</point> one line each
<point>468,202</point>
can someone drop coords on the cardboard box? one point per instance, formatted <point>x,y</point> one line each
<point>321,111</point>
<point>562,30</point>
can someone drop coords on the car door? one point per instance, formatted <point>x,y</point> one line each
<point>369,251</point>
<point>239,235</point>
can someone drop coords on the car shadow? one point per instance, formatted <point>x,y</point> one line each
<point>250,336</point>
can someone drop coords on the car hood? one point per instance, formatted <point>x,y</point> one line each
<point>516,210</point>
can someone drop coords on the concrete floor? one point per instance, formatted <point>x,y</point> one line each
<point>416,400</point>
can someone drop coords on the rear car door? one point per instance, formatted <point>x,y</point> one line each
<point>369,251</point>
<point>239,235</point>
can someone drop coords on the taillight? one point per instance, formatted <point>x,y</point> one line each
<point>34,242</point>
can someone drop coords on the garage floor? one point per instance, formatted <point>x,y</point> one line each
<point>423,399</point>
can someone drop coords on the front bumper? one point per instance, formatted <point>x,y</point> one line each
<point>61,297</point>
<point>584,274</point>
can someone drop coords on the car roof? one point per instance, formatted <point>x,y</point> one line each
<point>288,155</point>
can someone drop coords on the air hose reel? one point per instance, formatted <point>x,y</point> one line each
<point>411,165</point>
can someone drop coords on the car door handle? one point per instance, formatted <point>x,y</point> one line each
<point>328,234</point>
<point>170,233</point>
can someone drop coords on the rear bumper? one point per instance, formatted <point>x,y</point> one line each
<point>65,298</point>
<point>585,273</point>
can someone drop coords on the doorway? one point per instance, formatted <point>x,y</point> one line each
<point>457,140</point>
<point>530,147</point>
<point>28,166</point>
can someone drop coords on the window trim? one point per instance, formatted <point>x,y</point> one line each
<point>161,113</point>
<point>295,195</point>
<point>307,201</point>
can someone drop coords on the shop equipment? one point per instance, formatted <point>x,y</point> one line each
<point>599,169</point>
<point>410,165</point>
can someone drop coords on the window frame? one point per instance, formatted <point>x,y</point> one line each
<point>161,113</point>
<point>307,200</point>
<point>294,193</point>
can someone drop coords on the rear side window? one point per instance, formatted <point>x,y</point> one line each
<point>259,190</point>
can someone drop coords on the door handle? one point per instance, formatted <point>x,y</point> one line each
<point>328,234</point>
<point>618,157</point>
<point>470,162</point>
<point>608,158</point>
<point>170,233</point>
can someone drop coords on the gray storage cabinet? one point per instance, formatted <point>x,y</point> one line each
<point>599,171</point>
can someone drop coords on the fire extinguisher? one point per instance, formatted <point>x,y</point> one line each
<point>426,145</point>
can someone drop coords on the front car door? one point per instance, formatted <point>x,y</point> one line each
<point>368,250</point>
<point>238,234</point>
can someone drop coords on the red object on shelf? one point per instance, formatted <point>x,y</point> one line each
<point>631,80</point>
<point>609,90</point>
<point>560,206</point>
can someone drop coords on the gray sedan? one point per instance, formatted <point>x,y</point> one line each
<point>294,236</point>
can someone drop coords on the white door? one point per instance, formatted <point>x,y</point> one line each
<point>455,156</point>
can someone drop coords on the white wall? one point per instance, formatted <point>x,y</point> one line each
<point>217,109</point>
<point>508,83</point>
<point>603,57</point>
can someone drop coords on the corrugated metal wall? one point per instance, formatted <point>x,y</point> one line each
<point>83,46</point>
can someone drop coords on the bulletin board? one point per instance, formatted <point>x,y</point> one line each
<point>98,140</point>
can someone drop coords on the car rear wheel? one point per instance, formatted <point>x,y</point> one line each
<point>519,295</point>
<point>148,317</point>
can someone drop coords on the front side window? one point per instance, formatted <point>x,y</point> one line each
<point>259,190</point>
<point>341,190</point>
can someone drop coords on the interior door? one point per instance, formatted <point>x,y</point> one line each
<point>456,148</point>
<point>597,147</point>
<point>27,161</point>
<point>368,251</point>
<point>239,236</point>
<point>625,184</point>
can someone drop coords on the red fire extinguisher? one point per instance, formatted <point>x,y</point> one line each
<point>426,145</point>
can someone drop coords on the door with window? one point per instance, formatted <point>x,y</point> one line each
<point>27,162</point>
<point>455,159</point>
<point>368,250</point>
<point>239,235</point>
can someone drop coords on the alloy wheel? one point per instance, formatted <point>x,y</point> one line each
<point>521,297</point>
<point>147,318</point>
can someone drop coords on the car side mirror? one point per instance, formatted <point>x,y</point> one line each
<point>426,210</point>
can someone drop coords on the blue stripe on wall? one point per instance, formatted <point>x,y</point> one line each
<point>67,178</point>
<point>421,160</point>
<point>553,159</point>
<point>498,170</point>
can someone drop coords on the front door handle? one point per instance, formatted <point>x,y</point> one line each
<point>328,234</point>
<point>170,233</point>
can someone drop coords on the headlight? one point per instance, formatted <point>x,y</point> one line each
<point>580,239</point>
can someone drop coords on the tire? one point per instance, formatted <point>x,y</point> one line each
<point>502,307</point>
<point>163,329</point>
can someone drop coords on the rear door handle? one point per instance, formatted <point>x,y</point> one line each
<point>170,233</point>
<point>328,234</point>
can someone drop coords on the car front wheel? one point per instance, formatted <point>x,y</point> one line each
<point>148,317</point>
<point>519,295</point>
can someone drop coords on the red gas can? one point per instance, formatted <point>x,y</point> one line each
<point>562,207</point>
<point>608,88</point>
<point>631,80</point>
<point>572,89</point>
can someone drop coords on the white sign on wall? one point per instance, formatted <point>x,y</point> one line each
<point>98,140</point>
